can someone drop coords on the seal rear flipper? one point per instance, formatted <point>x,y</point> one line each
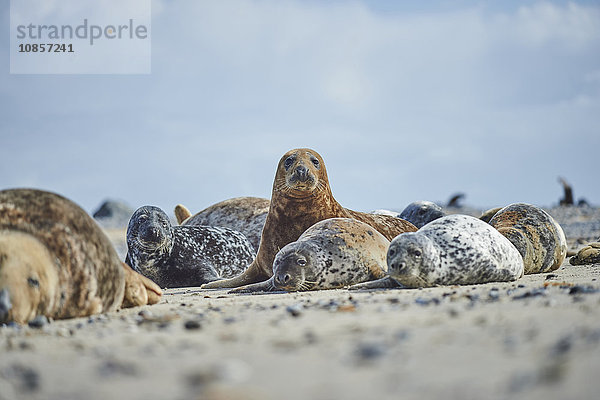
<point>181,213</point>
<point>384,283</point>
<point>266,286</point>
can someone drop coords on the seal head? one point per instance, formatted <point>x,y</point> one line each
<point>294,268</point>
<point>411,258</point>
<point>149,237</point>
<point>420,213</point>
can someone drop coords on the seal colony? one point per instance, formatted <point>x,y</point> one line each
<point>331,254</point>
<point>242,214</point>
<point>55,261</point>
<point>176,256</point>
<point>300,198</point>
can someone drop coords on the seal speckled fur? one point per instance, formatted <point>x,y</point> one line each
<point>453,250</point>
<point>242,214</point>
<point>422,212</point>
<point>56,261</point>
<point>331,254</point>
<point>176,256</point>
<point>301,197</point>
<point>537,236</point>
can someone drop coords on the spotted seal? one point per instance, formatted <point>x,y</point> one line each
<point>589,254</point>
<point>56,261</point>
<point>242,214</point>
<point>331,254</point>
<point>421,212</point>
<point>537,236</point>
<point>452,250</point>
<point>300,198</point>
<point>176,256</point>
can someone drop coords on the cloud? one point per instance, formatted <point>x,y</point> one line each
<point>402,105</point>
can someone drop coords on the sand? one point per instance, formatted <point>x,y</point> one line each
<point>537,338</point>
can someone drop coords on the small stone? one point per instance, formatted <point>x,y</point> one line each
<point>531,293</point>
<point>579,289</point>
<point>295,310</point>
<point>192,324</point>
<point>493,295</point>
<point>563,346</point>
<point>422,301</point>
<point>28,378</point>
<point>369,351</point>
<point>38,322</point>
<point>551,276</point>
<point>229,320</point>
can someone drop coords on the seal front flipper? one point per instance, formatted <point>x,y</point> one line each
<point>266,286</point>
<point>384,283</point>
<point>139,290</point>
<point>253,274</point>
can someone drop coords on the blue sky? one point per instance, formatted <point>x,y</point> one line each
<point>404,102</point>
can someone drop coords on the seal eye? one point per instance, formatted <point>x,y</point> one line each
<point>417,253</point>
<point>316,163</point>
<point>391,252</point>
<point>301,262</point>
<point>288,162</point>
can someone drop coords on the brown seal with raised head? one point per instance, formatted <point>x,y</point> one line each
<point>56,261</point>
<point>331,254</point>
<point>300,198</point>
<point>243,214</point>
<point>538,237</point>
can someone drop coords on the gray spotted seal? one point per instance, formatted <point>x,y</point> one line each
<point>176,256</point>
<point>300,198</point>
<point>242,214</point>
<point>56,261</point>
<point>331,254</point>
<point>537,236</point>
<point>452,250</point>
<point>421,212</point>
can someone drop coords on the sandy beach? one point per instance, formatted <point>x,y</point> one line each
<point>537,338</point>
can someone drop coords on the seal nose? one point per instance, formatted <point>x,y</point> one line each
<point>302,173</point>
<point>151,233</point>
<point>396,266</point>
<point>282,279</point>
<point>5,305</point>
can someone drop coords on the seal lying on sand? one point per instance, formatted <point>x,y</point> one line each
<point>331,254</point>
<point>56,261</point>
<point>302,197</point>
<point>452,250</point>
<point>242,214</point>
<point>537,236</point>
<point>589,254</point>
<point>176,256</point>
